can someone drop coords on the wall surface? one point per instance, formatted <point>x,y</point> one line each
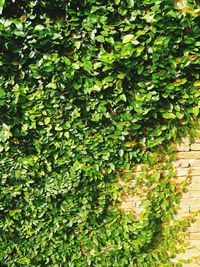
<point>188,162</point>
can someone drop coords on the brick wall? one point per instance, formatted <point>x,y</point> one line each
<point>188,161</point>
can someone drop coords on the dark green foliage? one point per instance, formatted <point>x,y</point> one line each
<point>88,89</point>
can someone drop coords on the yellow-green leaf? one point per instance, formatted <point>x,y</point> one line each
<point>169,115</point>
<point>197,83</point>
<point>47,120</point>
<point>195,110</point>
<point>128,38</point>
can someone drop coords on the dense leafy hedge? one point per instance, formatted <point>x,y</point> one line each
<point>88,89</point>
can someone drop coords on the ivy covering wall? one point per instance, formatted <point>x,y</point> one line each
<point>88,89</point>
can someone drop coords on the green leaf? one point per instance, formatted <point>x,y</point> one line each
<point>39,27</point>
<point>197,83</point>
<point>2,2</point>
<point>195,110</point>
<point>117,2</point>
<point>100,38</point>
<point>66,134</point>
<point>159,41</point>
<point>130,3</point>
<point>23,261</point>
<point>47,120</point>
<point>2,93</point>
<point>121,153</point>
<point>123,97</point>
<point>87,65</point>
<point>179,115</point>
<point>136,126</point>
<point>189,41</point>
<point>128,38</point>
<point>139,50</point>
<point>106,57</point>
<point>169,115</point>
<point>140,69</point>
<point>77,44</point>
<point>112,166</point>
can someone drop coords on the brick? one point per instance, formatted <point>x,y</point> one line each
<point>181,163</point>
<point>194,187</point>
<point>182,171</point>
<point>193,252</point>
<point>195,236</point>
<point>183,209</point>
<point>185,140</point>
<point>188,159</point>
<point>183,147</point>
<point>197,140</point>
<point>195,194</point>
<point>185,164</point>
<point>190,202</point>
<point>189,253</point>
<point>194,208</point>
<point>195,171</point>
<point>191,265</point>
<point>180,179</point>
<point>186,195</point>
<point>195,243</point>
<point>196,179</point>
<point>189,155</point>
<point>126,206</point>
<point>177,164</point>
<point>195,146</point>
<point>195,163</point>
<point>195,227</point>
<point>180,215</point>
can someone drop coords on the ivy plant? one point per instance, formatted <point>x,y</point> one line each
<point>88,90</point>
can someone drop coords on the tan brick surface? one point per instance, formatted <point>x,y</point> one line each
<point>189,155</point>
<point>195,146</point>
<point>195,170</point>
<point>182,171</point>
<point>183,147</point>
<point>192,264</point>
<point>190,201</point>
<point>195,194</point>
<point>195,163</point>
<point>195,236</point>
<point>195,228</point>
<point>188,161</point>
<point>196,179</point>
<point>194,187</point>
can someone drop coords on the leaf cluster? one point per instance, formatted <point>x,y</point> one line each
<point>89,89</point>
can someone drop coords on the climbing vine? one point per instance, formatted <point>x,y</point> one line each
<point>88,90</point>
